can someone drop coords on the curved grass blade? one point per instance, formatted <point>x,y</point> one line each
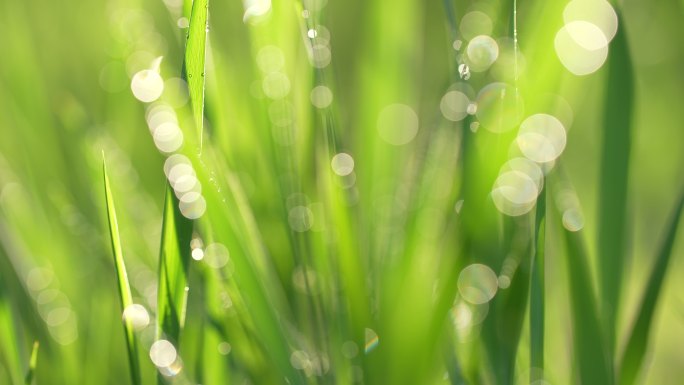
<point>122,279</point>
<point>174,259</point>
<point>638,339</point>
<point>33,362</point>
<point>617,132</point>
<point>193,64</point>
<point>589,345</point>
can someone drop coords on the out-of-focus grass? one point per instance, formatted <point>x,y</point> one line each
<point>309,275</point>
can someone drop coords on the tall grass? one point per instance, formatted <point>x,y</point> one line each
<point>311,208</point>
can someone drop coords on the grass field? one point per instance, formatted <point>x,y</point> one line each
<point>341,192</point>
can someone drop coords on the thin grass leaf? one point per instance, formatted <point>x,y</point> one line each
<point>638,339</point>
<point>193,65</point>
<point>590,353</point>
<point>33,362</point>
<point>537,289</point>
<point>9,352</point>
<point>173,270</point>
<point>612,215</point>
<point>122,280</point>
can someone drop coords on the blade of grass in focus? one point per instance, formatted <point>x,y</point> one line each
<point>122,279</point>
<point>193,65</point>
<point>589,347</point>
<point>9,348</point>
<point>537,289</point>
<point>612,214</point>
<point>638,339</point>
<point>33,362</point>
<point>173,270</point>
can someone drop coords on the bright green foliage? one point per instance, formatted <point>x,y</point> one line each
<point>351,223</point>
<point>33,362</point>
<point>126,299</point>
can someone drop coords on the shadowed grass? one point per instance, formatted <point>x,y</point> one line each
<point>33,362</point>
<point>613,182</point>
<point>637,344</point>
<point>589,348</point>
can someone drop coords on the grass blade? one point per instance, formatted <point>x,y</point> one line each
<point>537,289</point>
<point>638,340</point>
<point>193,65</point>
<point>33,362</point>
<point>122,279</point>
<point>173,270</point>
<point>588,339</point>
<point>617,132</point>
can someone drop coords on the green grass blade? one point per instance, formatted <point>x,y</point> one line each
<point>173,270</point>
<point>193,66</point>
<point>9,352</point>
<point>33,362</point>
<point>612,214</point>
<point>122,279</point>
<point>638,340</point>
<point>537,289</point>
<point>590,353</point>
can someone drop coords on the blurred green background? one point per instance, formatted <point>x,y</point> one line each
<point>65,98</point>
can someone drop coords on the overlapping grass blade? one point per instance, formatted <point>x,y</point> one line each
<point>589,346</point>
<point>33,362</point>
<point>122,280</point>
<point>174,259</point>
<point>537,288</point>
<point>638,339</point>
<point>612,208</point>
<point>9,352</point>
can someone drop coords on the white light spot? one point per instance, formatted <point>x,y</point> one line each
<point>597,12</point>
<point>573,220</point>
<point>581,47</point>
<point>185,184</point>
<point>350,349</point>
<point>499,107</point>
<point>475,23</point>
<point>224,348</point>
<point>454,105</point>
<point>311,33</point>
<point>514,193</point>
<point>254,9</point>
<point>342,164</point>
<point>397,124</point>
<point>276,85</point>
<point>137,315</point>
<point>477,284</point>
<point>541,138</point>
<point>183,22</point>
<point>168,137</point>
<point>192,205</point>
<point>158,114</point>
<point>321,96</point>
<point>197,254</point>
<point>300,218</point>
<point>320,56</point>
<point>163,354</point>
<point>147,85</point>
<point>481,53</point>
<point>270,59</point>
<point>216,255</point>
